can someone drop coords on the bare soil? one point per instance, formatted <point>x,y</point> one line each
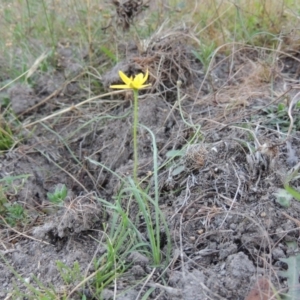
<point>218,195</point>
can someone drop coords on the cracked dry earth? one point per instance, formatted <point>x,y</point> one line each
<point>218,195</point>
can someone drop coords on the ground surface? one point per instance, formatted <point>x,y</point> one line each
<point>218,194</point>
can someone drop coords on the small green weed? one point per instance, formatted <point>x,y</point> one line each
<point>109,54</point>
<point>278,118</point>
<point>205,54</point>
<point>123,232</point>
<point>12,213</point>
<point>59,195</point>
<point>69,275</point>
<point>6,137</point>
<point>3,199</point>
<point>285,196</point>
<point>109,266</point>
<point>148,205</point>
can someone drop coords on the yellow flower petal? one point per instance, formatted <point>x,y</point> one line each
<point>124,78</point>
<point>146,76</point>
<point>139,78</point>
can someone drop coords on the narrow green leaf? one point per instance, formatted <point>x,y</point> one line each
<point>292,275</point>
<point>292,191</point>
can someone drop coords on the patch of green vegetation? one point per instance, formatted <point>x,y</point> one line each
<point>111,265</point>
<point>3,201</point>
<point>285,196</point>
<point>205,54</point>
<point>6,137</point>
<point>12,213</point>
<point>109,53</point>
<point>123,235</point>
<point>30,28</point>
<point>278,118</point>
<point>69,275</point>
<point>59,195</point>
<point>9,124</point>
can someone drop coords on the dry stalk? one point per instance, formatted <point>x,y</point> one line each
<point>73,107</point>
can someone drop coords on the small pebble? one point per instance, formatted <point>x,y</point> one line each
<point>232,226</point>
<point>200,231</point>
<point>27,280</point>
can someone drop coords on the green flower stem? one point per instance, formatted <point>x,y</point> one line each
<point>135,125</point>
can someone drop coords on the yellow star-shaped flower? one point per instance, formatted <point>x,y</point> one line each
<point>135,83</point>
